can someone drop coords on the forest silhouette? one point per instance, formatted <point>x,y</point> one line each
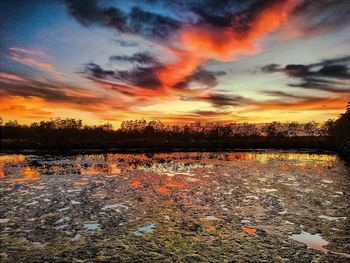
<point>140,135</point>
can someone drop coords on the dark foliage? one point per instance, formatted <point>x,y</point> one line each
<point>140,135</point>
<point>69,134</point>
<point>340,132</point>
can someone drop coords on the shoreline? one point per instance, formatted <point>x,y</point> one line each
<point>162,150</point>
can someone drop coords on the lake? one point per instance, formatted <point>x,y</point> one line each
<point>175,207</point>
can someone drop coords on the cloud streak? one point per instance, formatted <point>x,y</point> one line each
<point>33,96</point>
<point>330,75</point>
<point>35,59</point>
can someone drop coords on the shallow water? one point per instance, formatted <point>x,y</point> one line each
<point>176,207</point>
<point>312,241</point>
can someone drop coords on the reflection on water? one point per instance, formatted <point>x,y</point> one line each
<point>145,229</point>
<point>92,226</point>
<point>312,241</point>
<point>315,241</point>
<point>28,174</point>
<point>301,157</point>
<point>188,206</point>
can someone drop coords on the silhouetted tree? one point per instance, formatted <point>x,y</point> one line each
<point>71,133</point>
<point>341,132</point>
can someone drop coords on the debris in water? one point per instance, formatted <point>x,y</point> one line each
<point>92,226</point>
<point>162,190</point>
<point>116,207</point>
<point>327,181</point>
<point>332,218</point>
<point>145,229</point>
<point>212,218</point>
<point>77,237</point>
<point>249,230</point>
<point>4,220</point>
<point>136,184</point>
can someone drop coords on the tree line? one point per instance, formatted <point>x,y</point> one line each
<point>155,135</point>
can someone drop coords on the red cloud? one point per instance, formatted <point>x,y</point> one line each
<point>198,44</point>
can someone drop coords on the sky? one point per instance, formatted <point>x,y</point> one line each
<point>175,61</point>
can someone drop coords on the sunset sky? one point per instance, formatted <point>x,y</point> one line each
<point>174,61</point>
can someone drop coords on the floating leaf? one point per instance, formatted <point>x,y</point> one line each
<point>250,231</point>
<point>162,190</point>
<point>136,184</point>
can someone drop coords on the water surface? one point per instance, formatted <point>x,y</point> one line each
<point>176,207</point>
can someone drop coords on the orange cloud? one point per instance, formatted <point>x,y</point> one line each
<point>198,44</point>
<point>23,108</point>
<point>195,45</point>
<point>190,48</point>
<point>30,100</point>
<point>306,104</point>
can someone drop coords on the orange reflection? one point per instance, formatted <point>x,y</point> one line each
<point>136,184</point>
<point>9,159</point>
<point>285,168</point>
<point>212,228</point>
<point>80,183</point>
<point>114,169</point>
<point>250,231</point>
<point>175,184</point>
<point>162,190</point>
<point>237,156</point>
<point>28,175</point>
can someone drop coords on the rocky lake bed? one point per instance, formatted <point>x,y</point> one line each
<point>175,207</point>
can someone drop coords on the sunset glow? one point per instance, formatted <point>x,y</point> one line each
<point>109,61</point>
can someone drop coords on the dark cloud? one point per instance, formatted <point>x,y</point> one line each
<point>328,69</point>
<point>137,21</point>
<point>211,113</point>
<point>322,15</point>
<point>139,58</point>
<point>139,76</point>
<point>296,70</point>
<point>317,16</point>
<point>221,13</point>
<point>96,71</point>
<point>236,14</point>
<point>88,13</point>
<point>293,70</point>
<point>332,61</point>
<point>124,43</point>
<point>330,75</point>
<point>85,11</point>
<point>201,76</point>
<point>48,91</point>
<point>333,86</point>
<point>219,100</point>
<point>340,71</point>
<point>271,68</point>
<point>150,24</point>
